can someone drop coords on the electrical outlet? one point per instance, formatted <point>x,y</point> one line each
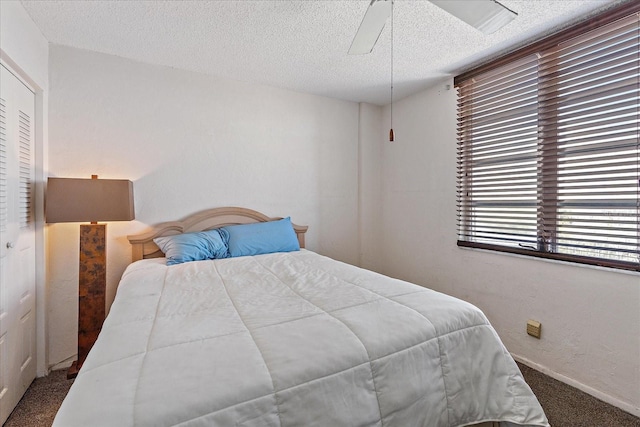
<point>533,328</point>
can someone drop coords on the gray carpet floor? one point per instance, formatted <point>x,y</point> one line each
<point>565,406</point>
<point>40,403</point>
<point>570,407</point>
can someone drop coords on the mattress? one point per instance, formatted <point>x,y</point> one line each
<point>292,339</point>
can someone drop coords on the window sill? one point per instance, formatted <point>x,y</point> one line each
<point>553,261</point>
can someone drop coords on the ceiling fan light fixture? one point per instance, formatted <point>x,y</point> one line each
<point>370,27</point>
<point>488,16</point>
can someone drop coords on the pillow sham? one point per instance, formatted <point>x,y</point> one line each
<point>192,246</point>
<point>260,238</point>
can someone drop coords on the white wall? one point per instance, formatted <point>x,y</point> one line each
<point>23,42</point>
<point>590,317</point>
<point>25,51</point>
<point>191,142</point>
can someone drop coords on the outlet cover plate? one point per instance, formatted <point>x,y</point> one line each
<point>534,328</point>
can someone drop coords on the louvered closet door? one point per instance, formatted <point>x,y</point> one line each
<point>17,242</point>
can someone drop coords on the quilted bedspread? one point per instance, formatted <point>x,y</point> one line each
<point>292,339</point>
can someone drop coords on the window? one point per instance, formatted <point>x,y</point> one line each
<point>549,146</point>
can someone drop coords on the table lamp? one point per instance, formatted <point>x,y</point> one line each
<point>89,200</point>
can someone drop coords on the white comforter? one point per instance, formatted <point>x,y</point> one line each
<point>292,339</point>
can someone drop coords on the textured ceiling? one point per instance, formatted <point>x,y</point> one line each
<point>298,45</point>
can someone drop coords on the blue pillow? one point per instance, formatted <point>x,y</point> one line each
<point>192,246</point>
<point>260,238</point>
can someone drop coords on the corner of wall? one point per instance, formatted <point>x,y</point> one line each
<point>370,139</point>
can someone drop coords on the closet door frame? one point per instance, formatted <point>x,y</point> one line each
<point>40,179</point>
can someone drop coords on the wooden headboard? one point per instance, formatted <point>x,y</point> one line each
<point>143,246</point>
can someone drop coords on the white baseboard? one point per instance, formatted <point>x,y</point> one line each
<point>625,406</point>
<point>65,364</point>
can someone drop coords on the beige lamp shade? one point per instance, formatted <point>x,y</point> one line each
<point>89,200</point>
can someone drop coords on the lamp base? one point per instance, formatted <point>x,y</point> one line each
<point>91,290</point>
<point>72,372</point>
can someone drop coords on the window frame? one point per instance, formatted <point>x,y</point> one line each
<point>541,251</point>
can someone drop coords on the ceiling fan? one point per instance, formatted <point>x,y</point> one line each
<point>488,16</point>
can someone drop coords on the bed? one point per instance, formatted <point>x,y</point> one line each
<point>289,339</point>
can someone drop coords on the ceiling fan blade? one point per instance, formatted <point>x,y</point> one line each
<point>370,27</point>
<point>487,16</point>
